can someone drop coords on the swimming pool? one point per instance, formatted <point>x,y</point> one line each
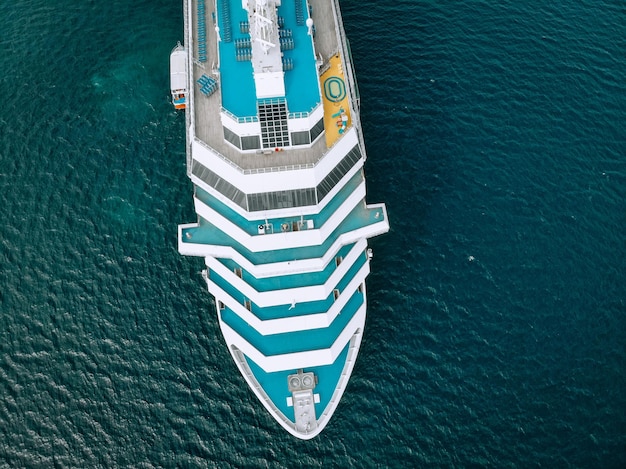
<point>237,80</point>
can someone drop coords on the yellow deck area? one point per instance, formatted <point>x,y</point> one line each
<point>335,97</point>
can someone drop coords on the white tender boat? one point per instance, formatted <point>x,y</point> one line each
<point>178,76</point>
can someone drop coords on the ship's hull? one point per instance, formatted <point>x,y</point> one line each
<point>299,428</point>
<point>276,156</point>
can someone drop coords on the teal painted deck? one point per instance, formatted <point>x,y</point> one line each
<point>288,281</point>
<point>209,234</point>
<point>276,388</point>
<point>286,309</point>
<point>251,227</point>
<point>237,82</point>
<point>292,342</point>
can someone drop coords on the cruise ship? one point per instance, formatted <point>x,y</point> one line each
<point>275,153</point>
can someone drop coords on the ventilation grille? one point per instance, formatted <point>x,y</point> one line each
<point>273,120</point>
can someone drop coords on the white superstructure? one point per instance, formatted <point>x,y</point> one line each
<point>275,153</point>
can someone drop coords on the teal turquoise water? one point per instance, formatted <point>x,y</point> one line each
<point>497,319</point>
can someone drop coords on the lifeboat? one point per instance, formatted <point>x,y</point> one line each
<point>178,76</point>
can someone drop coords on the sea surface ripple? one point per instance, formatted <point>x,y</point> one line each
<point>497,316</point>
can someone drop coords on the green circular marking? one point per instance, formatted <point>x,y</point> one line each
<point>334,89</point>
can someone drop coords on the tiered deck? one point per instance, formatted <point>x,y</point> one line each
<point>206,109</point>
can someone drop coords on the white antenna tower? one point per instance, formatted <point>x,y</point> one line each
<point>265,27</point>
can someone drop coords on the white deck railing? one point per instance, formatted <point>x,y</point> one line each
<point>348,70</point>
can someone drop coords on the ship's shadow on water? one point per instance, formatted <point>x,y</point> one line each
<point>495,324</point>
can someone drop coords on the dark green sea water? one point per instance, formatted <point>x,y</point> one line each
<point>496,329</point>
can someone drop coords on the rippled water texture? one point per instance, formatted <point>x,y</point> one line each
<point>495,134</point>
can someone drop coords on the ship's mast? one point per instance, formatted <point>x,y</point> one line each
<point>265,30</point>
<point>267,62</point>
